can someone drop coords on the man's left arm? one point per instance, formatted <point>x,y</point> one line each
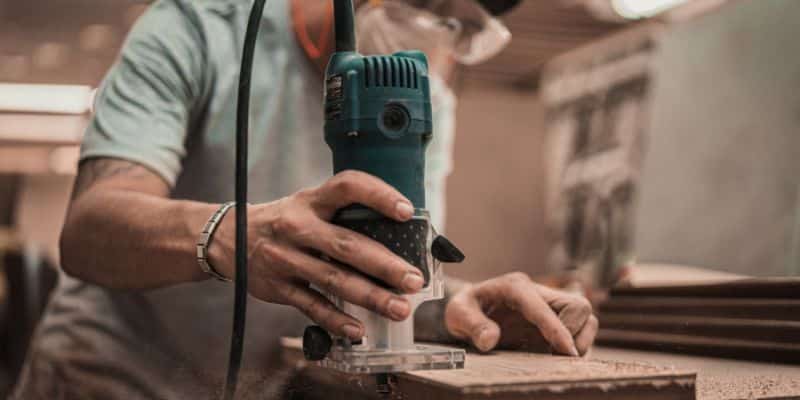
<point>510,311</point>
<point>500,311</point>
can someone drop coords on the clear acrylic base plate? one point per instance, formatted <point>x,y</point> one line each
<point>423,357</point>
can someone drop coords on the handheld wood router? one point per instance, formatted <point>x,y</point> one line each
<point>378,120</point>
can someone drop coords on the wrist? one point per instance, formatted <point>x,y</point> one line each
<point>218,235</point>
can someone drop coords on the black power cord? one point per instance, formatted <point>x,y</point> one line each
<point>242,132</point>
<point>345,41</point>
<point>344,26</point>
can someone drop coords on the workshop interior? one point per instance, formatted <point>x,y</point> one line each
<point>643,154</point>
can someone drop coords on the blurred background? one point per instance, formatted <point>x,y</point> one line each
<point>660,137</point>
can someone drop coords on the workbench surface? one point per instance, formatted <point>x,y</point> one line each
<point>721,379</point>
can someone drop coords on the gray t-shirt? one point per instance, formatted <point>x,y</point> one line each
<point>169,104</point>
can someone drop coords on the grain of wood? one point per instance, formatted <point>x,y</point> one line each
<point>761,309</point>
<point>779,331</point>
<point>761,350</point>
<point>748,318</point>
<point>721,379</point>
<point>511,375</point>
<point>753,288</point>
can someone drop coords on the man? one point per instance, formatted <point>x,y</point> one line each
<point>135,317</point>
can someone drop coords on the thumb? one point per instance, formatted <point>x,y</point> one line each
<point>465,320</point>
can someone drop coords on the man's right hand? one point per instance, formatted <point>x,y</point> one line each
<point>287,237</point>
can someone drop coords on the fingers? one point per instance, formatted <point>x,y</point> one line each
<point>576,314</point>
<point>337,280</point>
<point>465,319</point>
<point>350,187</point>
<point>565,321</point>
<point>297,223</point>
<point>585,338</point>
<point>524,297</point>
<point>366,255</point>
<point>574,311</point>
<point>322,311</point>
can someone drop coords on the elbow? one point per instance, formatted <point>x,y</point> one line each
<point>69,250</point>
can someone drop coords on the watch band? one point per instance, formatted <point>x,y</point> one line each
<point>205,240</point>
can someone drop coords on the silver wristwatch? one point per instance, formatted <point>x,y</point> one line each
<point>205,240</point>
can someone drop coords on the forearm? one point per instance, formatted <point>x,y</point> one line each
<point>129,240</point>
<point>122,231</point>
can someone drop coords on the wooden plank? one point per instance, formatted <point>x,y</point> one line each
<point>665,274</point>
<point>38,159</point>
<point>748,318</point>
<point>502,376</point>
<point>760,350</point>
<point>765,288</point>
<point>722,379</point>
<point>765,309</point>
<point>42,129</point>
<point>712,327</point>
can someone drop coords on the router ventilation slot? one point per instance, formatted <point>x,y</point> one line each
<point>383,71</point>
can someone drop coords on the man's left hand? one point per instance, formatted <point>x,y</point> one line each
<point>512,311</point>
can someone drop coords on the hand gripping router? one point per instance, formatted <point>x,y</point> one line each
<point>378,120</point>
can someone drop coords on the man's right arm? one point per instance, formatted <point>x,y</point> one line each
<point>123,232</point>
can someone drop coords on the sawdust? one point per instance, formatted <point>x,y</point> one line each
<point>749,387</point>
<point>507,368</point>
<point>721,379</point>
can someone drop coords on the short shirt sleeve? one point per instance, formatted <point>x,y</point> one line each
<point>143,107</point>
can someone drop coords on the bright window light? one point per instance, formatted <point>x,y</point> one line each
<point>635,9</point>
<point>36,98</point>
